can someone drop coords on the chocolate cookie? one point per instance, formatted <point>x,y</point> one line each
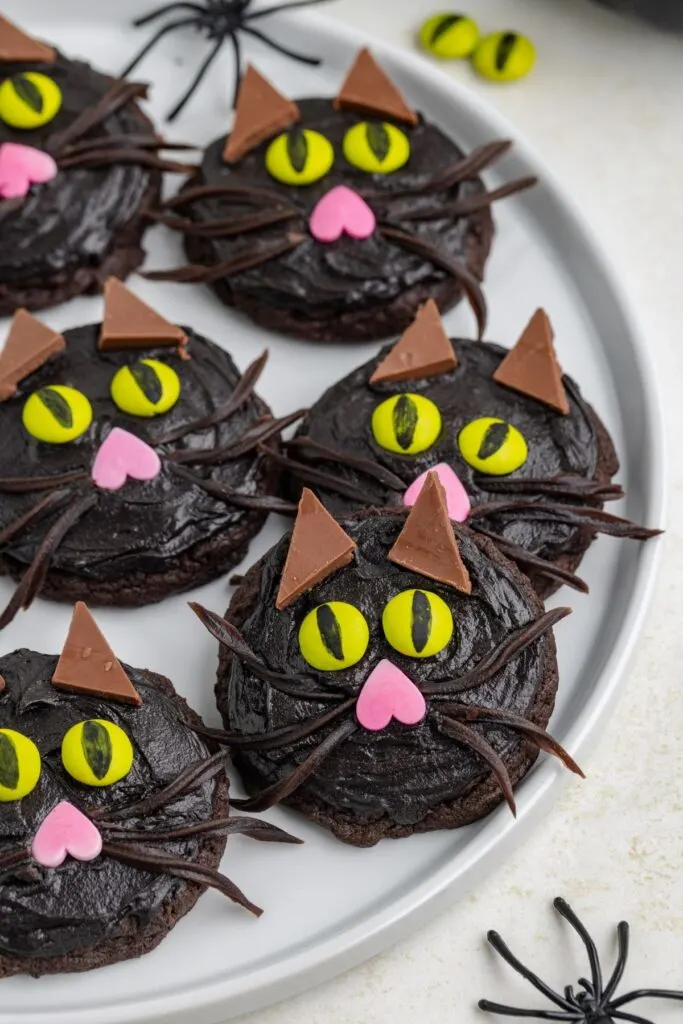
<point>387,675</point>
<point>333,220</point>
<point>524,459</point>
<point>114,811</point>
<point>78,164</point>
<point>129,468</point>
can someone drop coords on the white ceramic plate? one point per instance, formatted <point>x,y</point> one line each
<point>329,906</point>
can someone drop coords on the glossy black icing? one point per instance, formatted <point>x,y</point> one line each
<point>50,912</point>
<point>556,444</point>
<point>144,526</point>
<point>72,220</point>
<point>402,772</point>
<point>321,280</point>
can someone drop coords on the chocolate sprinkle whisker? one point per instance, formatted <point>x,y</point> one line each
<point>471,204</point>
<point>28,484</point>
<point>262,831</point>
<point>34,577</point>
<point>274,794</point>
<point>45,505</point>
<point>531,562</point>
<point>467,280</point>
<point>500,656</point>
<point>596,518</point>
<point>161,864</point>
<point>250,502</point>
<point>466,167</point>
<point>197,274</point>
<point>190,778</point>
<point>229,636</point>
<point>139,157</point>
<point>152,142</point>
<point>240,193</point>
<point>565,485</point>
<point>224,227</point>
<point>320,452</point>
<point>252,438</point>
<point>469,738</point>
<point>13,860</point>
<point>243,391</point>
<point>116,97</point>
<point>310,475</point>
<point>278,738</point>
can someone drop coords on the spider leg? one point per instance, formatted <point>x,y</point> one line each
<point>166,9</point>
<point>153,41</point>
<point>263,12</point>
<point>508,956</point>
<point>196,81</point>
<point>622,957</point>
<point>617,1015</point>
<point>313,61</point>
<point>563,908</point>
<point>647,993</point>
<point>234,39</point>
<point>514,1011</point>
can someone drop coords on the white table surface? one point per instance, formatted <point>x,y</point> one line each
<point>604,107</point>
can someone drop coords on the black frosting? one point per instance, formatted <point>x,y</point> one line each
<point>318,280</point>
<point>144,526</point>
<point>50,912</point>
<point>402,772</point>
<point>557,444</point>
<point>70,221</point>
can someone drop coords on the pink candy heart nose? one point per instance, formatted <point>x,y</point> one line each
<point>21,167</point>
<point>64,832</point>
<point>122,455</point>
<point>341,211</point>
<point>388,693</point>
<point>457,498</point>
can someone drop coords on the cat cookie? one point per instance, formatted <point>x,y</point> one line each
<point>129,467</point>
<point>334,219</point>
<point>385,675</point>
<point>524,459</point>
<point>113,811</point>
<point>79,161</point>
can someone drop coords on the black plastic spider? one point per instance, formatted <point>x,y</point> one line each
<point>218,20</point>
<point>595,1003</point>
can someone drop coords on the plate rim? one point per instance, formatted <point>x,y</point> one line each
<point>292,975</point>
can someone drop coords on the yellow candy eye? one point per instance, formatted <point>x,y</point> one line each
<point>97,752</point>
<point>20,766</point>
<point>406,424</point>
<point>57,414</point>
<point>449,36</point>
<point>376,148</point>
<point>147,388</point>
<point>417,623</point>
<point>29,100</point>
<point>299,157</point>
<point>492,446</point>
<point>333,636</point>
<point>504,57</point>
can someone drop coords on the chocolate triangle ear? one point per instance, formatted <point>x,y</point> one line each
<point>131,323</point>
<point>424,350</point>
<point>531,367</point>
<point>261,111</point>
<point>88,665</point>
<point>369,89</point>
<point>29,344</point>
<point>318,548</point>
<point>15,45</point>
<point>427,544</point>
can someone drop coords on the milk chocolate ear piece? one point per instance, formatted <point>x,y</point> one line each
<point>318,548</point>
<point>29,344</point>
<point>367,88</point>
<point>531,367</point>
<point>427,544</point>
<point>15,45</point>
<point>261,111</point>
<point>131,323</point>
<point>88,665</point>
<point>424,350</point>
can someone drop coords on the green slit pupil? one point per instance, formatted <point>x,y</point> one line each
<point>28,92</point>
<point>96,745</point>
<point>493,440</point>
<point>58,406</point>
<point>405,417</point>
<point>378,140</point>
<point>505,48</point>
<point>330,633</point>
<point>421,625</point>
<point>148,381</point>
<point>9,763</point>
<point>297,149</point>
<point>446,23</point>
